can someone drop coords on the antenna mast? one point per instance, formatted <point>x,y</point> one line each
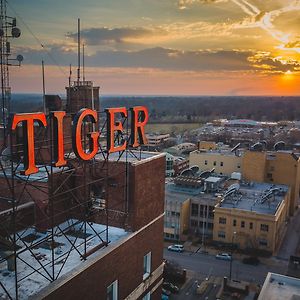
<point>8,29</point>
<point>83,73</point>
<point>78,41</point>
<point>44,89</point>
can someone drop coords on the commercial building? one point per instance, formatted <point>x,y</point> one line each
<point>252,215</point>
<point>176,220</point>
<point>88,230</point>
<point>225,162</point>
<point>175,165</point>
<point>156,142</point>
<point>181,149</point>
<point>278,167</point>
<point>277,287</point>
<point>189,204</point>
<point>108,244</point>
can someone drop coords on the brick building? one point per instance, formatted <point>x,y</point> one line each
<point>88,230</point>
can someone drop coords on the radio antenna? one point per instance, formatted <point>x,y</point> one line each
<point>83,71</point>
<point>44,89</point>
<point>78,40</point>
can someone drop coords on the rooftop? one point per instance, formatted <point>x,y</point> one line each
<point>41,176</point>
<point>66,258</point>
<point>278,286</point>
<point>132,156</point>
<point>262,198</point>
<point>226,152</point>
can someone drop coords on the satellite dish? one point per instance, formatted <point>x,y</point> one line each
<point>20,58</point>
<point>257,147</point>
<point>15,32</point>
<point>195,169</point>
<point>234,187</point>
<point>205,174</point>
<point>187,172</point>
<point>6,155</point>
<point>279,146</point>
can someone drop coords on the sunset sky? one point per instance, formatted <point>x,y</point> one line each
<point>159,47</point>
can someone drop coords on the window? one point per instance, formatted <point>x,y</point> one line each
<point>234,222</point>
<point>263,242</point>
<point>202,211</point>
<point>147,296</point>
<point>215,163</point>
<point>211,212</point>
<point>251,225</point>
<point>222,220</point>
<point>221,164</point>
<point>205,162</point>
<point>243,224</point>
<point>147,265</point>
<point>264,227</point>
<point>194,223</point>
<point>221,234</point>
<point>112,291</point>
<point>195,208</point>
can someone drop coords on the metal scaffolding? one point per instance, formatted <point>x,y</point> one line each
<point>51,218</point>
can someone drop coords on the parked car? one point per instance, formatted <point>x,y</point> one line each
<point>224,256</point>
<point>251,260</point>
<point>170,287</point>
<point>166,292</point>
<point>176,248</point>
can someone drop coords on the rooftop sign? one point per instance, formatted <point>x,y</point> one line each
<point>139,118</point>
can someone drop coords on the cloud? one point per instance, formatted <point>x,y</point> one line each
<point>167,59</point>
<point>183,4</point>
<point>160,58</point>
<point>273,64</point>
<point>104,35</point>
<point>259,19</point>
<point>264,20</point>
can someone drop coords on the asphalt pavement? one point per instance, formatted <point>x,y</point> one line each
<point>203,265</point>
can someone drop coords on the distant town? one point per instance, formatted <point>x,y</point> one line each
<point>230,202</point>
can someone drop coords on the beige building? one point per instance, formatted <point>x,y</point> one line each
<point>224,162</point>
<point>177,211</point>
<point>281,167</point>
<point>252,215</point>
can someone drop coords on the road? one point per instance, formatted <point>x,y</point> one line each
<point>203,265</point>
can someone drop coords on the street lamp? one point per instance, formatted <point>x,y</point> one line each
<point>230,271</point>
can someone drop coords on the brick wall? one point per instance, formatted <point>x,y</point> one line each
<point>125,264</point>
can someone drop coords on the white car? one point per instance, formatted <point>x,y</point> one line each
<point>224,256</point>
<point>176,248</point>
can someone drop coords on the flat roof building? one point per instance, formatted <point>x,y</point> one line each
<point>278,167</point>
<point>279,287</point>
<point>252,215</point>
<point>104,238</point>
<point>223,159</point>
